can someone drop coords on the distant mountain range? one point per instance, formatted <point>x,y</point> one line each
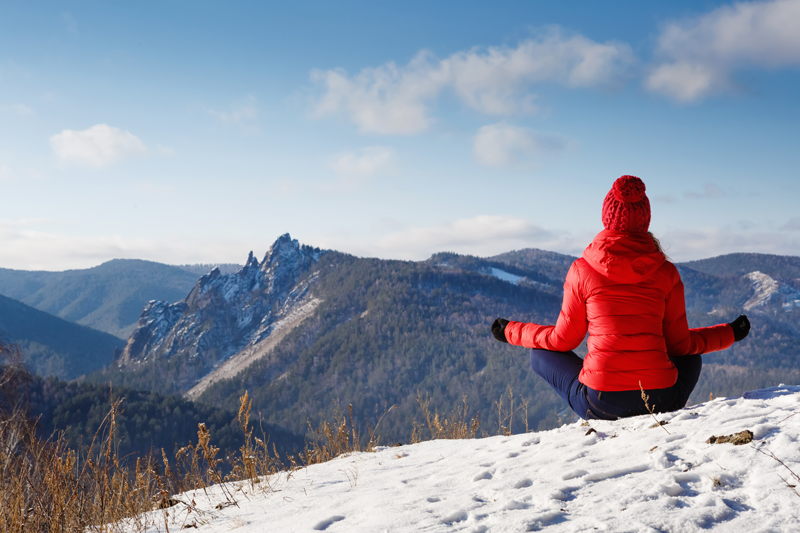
<point>108,297</point>
<point>305,328</point>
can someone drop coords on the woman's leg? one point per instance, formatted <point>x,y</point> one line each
<point>560,370</point>
<point>629,403</point>
<point>689,368</point>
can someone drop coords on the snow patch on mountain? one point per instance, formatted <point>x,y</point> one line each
<point>615,476</point>
<point>506,276</point>
<point>261,344</point>
<point>768,289</point>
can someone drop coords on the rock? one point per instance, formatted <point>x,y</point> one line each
<point>737,439</point>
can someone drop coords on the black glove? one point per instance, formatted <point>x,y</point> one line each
<point>741,327</point>
<point>499,329</point>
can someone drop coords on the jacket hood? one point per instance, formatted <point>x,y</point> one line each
<point>625,257</point>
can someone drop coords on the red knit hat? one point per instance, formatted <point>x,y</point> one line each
<point>626,207</point>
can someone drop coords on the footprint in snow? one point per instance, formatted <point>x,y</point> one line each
<point>458,516</point>
<point>573,474</point>
<point>512,455</point>
<point>522,483</point>
<point>546,519</point>
<point>325,524</point>
<point>514,505</point>
<point>433,499</point>
<point>482,476</point>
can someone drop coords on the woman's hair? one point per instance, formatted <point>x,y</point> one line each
<point>658,244</point>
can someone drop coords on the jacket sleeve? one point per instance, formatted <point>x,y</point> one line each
<point>684,341</point>
<point>570,329</point>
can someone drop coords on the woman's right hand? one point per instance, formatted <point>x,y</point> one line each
<point>499,329</point>
<point>741,327</point>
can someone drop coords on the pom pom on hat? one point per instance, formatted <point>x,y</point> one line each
<point>626,207</point>
<point>629,189</point>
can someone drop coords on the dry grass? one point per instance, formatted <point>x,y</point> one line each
<point>47,486</point>
<point>507,417</point>
<point>330,440</point>
<point>456,426</point>
<point>651,410</point>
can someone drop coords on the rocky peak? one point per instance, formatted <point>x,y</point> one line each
<point>251,262</point>
<point>283,262</point>
<point>225,313</point>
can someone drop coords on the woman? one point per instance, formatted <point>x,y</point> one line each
<point>625,293</point>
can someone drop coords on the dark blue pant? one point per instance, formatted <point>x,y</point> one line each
<point>561,369</point>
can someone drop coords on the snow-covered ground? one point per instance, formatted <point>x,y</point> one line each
<point>623,476</point>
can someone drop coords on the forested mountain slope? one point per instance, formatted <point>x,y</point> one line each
<point>146,420</point>
<point>52,346</point>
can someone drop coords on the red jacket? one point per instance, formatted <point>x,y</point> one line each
<point>629,298</point>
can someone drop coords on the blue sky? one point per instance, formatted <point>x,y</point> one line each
<point>188,132</point>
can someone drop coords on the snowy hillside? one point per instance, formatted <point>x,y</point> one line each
<point>610,476</point>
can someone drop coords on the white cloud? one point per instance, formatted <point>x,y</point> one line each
<point>98,146</point>
<point>502,144</point>
<point>28,245</point>
<point>490,235</point>
<point>482,235</point>
<point>702,54</point>
<point>242,114</point>
<point>710,190</point>
<point>688,245</point>
<point>367,162</point>
<point>394,100</point>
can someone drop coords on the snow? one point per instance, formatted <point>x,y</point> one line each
<point>623,476</point>
<point>766,288</point>
<point>506,276</point>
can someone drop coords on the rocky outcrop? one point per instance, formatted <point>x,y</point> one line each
<point>767,290</point>
<point>225,315</point>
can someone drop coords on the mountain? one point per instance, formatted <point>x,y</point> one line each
<point>550,264</point>
<point>108,297</point>
<point>737,265</point>
<point>305,328</point>
<point>52,346</point>
<point>225,323</point>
